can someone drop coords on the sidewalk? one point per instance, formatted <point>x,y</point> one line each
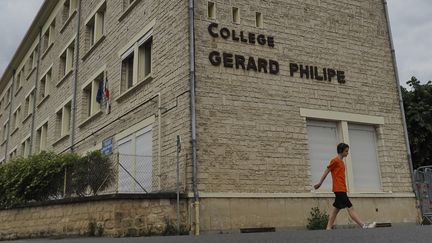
<point>401,234</point>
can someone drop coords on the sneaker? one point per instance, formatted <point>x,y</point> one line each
<point>369,226</point>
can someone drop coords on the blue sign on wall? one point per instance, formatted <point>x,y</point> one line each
<point>107,146</point>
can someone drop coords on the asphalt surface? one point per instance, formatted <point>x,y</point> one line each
<point>402,234</point>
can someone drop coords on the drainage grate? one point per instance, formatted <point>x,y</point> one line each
<point>380,225</point>
<point>258,230</point>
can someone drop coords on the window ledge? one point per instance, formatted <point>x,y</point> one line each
<point>30,73</point>
<point>134,88</point>
<point>62,138</point>
<point>47,50</point>
<point>27,117</point>
<point>43,100</point>
<point>14,131</point>
<point>66,23</point>
<point>128,10</point>
<point>18,90</point>
<point>93,47</point>
<point>89,119</point>
<point>64,78</point>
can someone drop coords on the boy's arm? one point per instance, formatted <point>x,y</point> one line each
<point>326,172</point>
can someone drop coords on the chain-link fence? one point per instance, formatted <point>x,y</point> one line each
<point>423,190</point>
<point>126,174</point>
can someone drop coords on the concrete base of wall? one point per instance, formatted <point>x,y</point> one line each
<point>108,217</point>
<point>232,214</point>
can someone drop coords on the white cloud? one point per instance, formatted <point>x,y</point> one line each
<point>411,25</point>
<point>15,19</point>
<point>409,20</point>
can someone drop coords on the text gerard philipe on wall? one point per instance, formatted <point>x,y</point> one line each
<point>263,65</point>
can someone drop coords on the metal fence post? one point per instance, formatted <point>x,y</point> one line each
<point>64,182</point>
<point>118,172</point>
<point>178,183</point>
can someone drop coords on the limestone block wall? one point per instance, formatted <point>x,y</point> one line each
<point>115,217</point>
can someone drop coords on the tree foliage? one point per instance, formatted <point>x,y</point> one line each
<point>41,177</point>
<point>418,113</point>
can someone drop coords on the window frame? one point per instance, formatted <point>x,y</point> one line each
<point>63,124</point>
<point>95,25</point>
<point>42,130</point>
<point>25,146</point>
<point>134,54</point>
<point>67,57</point>
<point>344,119</point>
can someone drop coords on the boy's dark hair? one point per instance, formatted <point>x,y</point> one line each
<point>341,147</point>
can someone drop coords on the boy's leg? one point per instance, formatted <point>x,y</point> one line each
<point>355,217</point>
<point>332,218</point>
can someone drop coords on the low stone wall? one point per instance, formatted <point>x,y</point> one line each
<point>120,215</point>
<point>225,214</point>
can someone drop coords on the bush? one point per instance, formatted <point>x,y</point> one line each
<point>41,177</point>
<point>318,220</point>
<point>37,178</point>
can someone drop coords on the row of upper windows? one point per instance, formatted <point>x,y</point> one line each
<point>235,13</point>
<point>94,33</point>
<point>136,65</point>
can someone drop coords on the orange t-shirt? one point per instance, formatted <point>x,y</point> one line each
<point>337,169</point>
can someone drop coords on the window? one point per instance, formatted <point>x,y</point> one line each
<point>95,26</point>
<point>135,155</point>
<point>63,120</point>
<point>322,141</point>
<point>90,93</point>
<point>13,154</point>
<point>127,73</point>
<point>236,15</point>
<point>28,107</point>
<point>8,96</point>
<point>16,119</point>
<point>48,37</point>
<point>45,85</point>
<point>259,20</point>
<point>41,138</point>
<point>137,63</point>
<point>363,149</point>
<point>19,80</point>
<point>359,132</point>
<point>25,148</point>
<point>5,131</point>
<point>69,7</point>
<point>66,60</point>
<point>32,61</point>
<point>211,10</point>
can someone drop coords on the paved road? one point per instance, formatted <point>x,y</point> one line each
<point>406,234</point>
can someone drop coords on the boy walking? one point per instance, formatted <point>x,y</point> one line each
<point>337,169</point>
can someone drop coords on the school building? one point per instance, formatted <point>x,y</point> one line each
<point>260,93</point>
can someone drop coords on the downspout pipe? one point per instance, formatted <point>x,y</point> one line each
<point>39,49</point>
<point>396,73</point>
<point>193,114</point>
<point>75,82</point>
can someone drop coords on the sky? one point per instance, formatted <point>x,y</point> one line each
<point>410,23</point>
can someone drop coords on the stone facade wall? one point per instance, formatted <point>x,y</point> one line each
<point>233,214</point>
<point>169,83</point>
<point>115,218</point>
<point>251,135</point>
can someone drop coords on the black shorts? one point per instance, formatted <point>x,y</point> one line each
<point>342,200</point>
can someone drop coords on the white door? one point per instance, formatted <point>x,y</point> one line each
<point>322,141</point>
<point>144,158</point>
<point>127,162</point>
<point>364,156</point>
